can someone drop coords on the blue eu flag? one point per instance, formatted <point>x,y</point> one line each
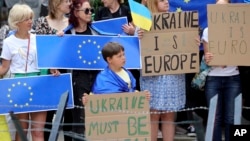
<point>101,26</point>
<point>32,94</point>
<point>83,52</point>
<point>192,5</point>
<point>239,1</point>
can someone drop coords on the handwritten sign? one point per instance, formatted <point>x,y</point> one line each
<point>229,34</point>
<point>170,47</point>
<point>121,116</point>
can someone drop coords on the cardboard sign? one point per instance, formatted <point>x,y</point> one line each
<point>121,116</point>
<point>170,46</point>
<point>229,34</point>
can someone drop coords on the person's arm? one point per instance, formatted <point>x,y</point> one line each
<point>205,45</point>
<point>129,28</point>
<point>140,33</point>
<point>4,67</point>
<point>198,41</point>
<point>84,98</point>
<point>55,72</point>
<point>147,95</point>
<point>208,56</point>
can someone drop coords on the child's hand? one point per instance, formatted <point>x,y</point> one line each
<point>84,98</point>
<point>55,72</point>
<point>147,95</point>
<point>140,33</point>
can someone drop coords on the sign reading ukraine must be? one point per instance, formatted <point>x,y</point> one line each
<point>121,116</point>
<point>170,46</point>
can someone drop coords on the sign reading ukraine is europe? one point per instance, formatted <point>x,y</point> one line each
<point>171,46</point>
<point>33,94</point>
<point>83,51</point>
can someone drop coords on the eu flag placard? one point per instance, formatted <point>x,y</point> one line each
<point>32,94</point>
<point>116,23</point>
<point>82,51</point>
<point>239,1</point>
<point>101,26</point>
<point>192,5</point>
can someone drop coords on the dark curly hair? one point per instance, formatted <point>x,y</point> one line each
<point>76,4</point>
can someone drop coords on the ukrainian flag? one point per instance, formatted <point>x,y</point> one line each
<point>141,15</point>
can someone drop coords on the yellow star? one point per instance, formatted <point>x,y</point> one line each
<point>186,1</point>
<point>178,9</point>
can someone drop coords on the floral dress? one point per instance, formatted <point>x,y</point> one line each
<point>167,91</point>
<point>41,26</point>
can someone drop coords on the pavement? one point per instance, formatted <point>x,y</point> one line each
<point>179,136</point>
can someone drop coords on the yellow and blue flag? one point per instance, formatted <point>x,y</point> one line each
<point>32,94</point>
<point>141,15</point>
<point>83,52</point>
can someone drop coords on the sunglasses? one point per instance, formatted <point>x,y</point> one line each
<point>87,10</point>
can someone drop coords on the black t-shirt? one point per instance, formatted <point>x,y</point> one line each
<point>104,13</point>
<point>86,32</point>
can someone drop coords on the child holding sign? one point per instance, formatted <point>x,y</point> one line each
<point>114,78</point>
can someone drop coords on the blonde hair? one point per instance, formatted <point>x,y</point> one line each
<point>19,13</point>
<point>53,7</point>
<point>152,5</point>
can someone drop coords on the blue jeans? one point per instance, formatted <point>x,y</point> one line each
<point>227,88</point>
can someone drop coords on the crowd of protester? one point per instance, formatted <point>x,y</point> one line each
<point>174,92</point>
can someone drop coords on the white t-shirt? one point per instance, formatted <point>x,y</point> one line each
<point>220,71</point>
<point>15,50</point>
<point>124,75</point>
